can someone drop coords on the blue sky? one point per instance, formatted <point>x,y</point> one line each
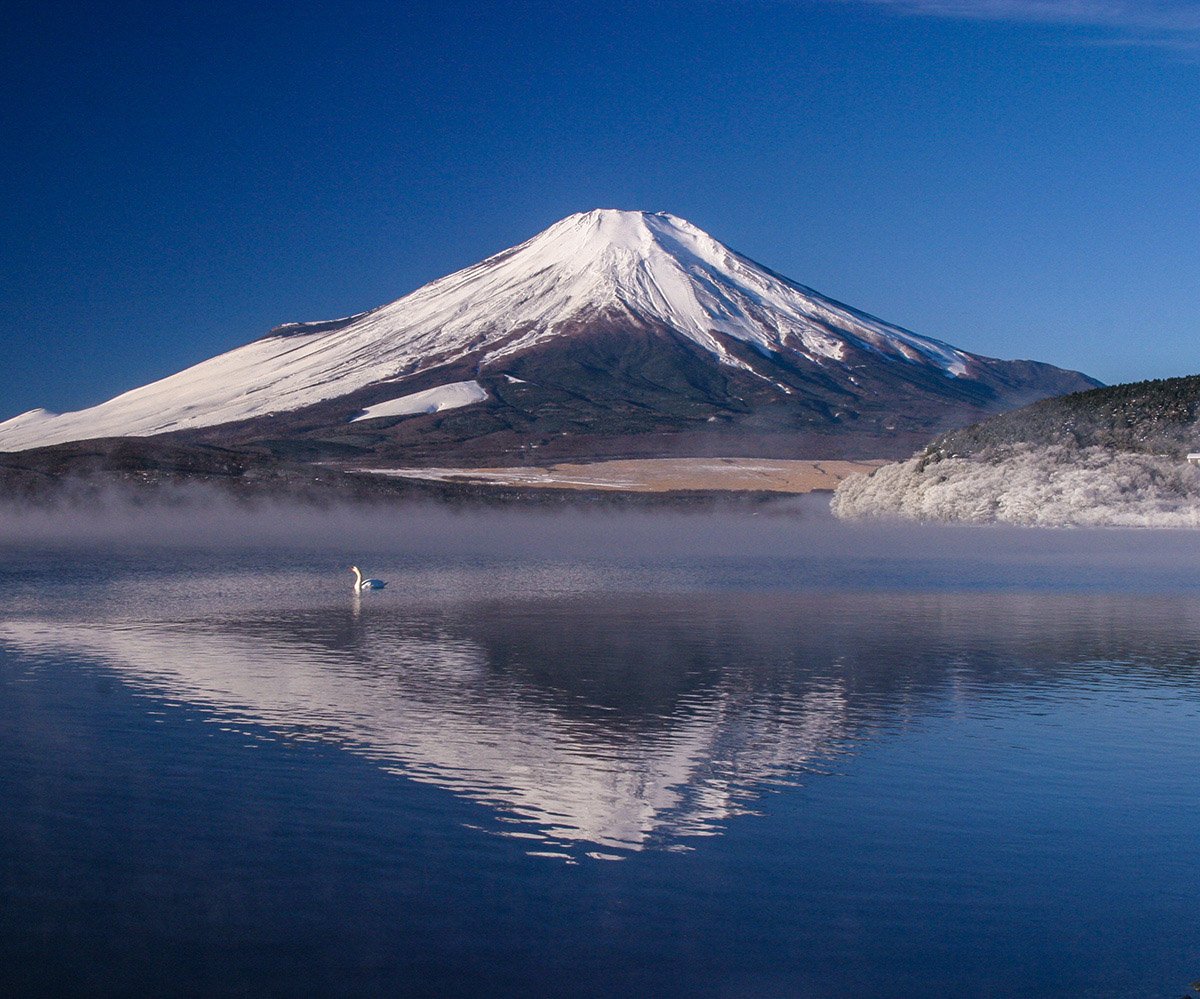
<point>1019,177</point>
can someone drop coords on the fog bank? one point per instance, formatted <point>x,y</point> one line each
<point>797,543</point>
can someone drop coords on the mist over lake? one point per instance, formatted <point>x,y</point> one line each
<point>731,752</point>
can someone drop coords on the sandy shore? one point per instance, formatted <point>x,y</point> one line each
<point>657,474</point>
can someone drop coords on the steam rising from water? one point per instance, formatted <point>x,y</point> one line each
<point>789,543</point>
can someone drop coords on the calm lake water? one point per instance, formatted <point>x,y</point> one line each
<point>598,755</point>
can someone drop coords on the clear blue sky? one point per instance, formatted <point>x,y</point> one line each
<point>1019,177</point>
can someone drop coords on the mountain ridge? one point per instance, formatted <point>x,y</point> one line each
<point>698,333</point>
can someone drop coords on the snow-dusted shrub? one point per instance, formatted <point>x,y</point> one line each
<point>1055,486</point>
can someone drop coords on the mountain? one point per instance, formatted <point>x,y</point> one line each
<point>610,333</point>
<point>1114,456</point>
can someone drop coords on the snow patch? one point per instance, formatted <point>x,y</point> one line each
<point>433,400</point>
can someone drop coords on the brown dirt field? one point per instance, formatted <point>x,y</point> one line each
<point>659,474</point>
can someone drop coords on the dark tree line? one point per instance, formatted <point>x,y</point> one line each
<point>1152,417</point>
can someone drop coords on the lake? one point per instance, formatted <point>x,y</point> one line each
<point>734,754</point>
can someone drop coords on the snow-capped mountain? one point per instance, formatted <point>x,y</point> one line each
<point>607,325</point>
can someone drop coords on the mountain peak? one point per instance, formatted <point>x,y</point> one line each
<point>663,269</point>
<point>590,234</point>
<point>624,271</point>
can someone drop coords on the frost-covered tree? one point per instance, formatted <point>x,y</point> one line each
<point>1112,456</point>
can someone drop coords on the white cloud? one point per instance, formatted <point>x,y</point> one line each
<point>1166,24</point>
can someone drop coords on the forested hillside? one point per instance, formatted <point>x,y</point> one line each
<point>1112,456</point>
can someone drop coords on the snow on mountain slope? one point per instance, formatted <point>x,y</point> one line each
<point>433,400</point>
<point>653,267</point>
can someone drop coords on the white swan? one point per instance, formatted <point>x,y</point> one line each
<point>361,584</point>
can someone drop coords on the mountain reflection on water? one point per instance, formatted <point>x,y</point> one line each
<point>609,722</point>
